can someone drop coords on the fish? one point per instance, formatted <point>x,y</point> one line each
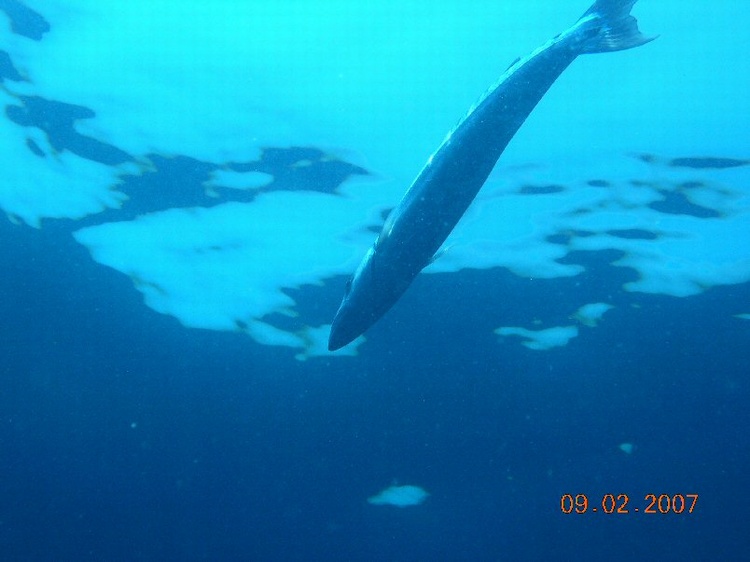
<point>418,226</point>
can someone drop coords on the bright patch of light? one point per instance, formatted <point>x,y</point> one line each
<point>590,314</point>
<point>240,180</point>
<point>399,496</point>
<point>541,339</point>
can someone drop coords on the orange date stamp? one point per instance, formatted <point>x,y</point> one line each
<point>621,503</point>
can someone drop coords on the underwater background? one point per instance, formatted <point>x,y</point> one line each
<point>186,187</point>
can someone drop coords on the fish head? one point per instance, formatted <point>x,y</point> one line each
<point>370,293</point>
<point>355,314</point>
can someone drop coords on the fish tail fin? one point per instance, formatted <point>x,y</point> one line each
<point>618,30</point>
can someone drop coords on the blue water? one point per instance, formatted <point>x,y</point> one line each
<point>126,436</point>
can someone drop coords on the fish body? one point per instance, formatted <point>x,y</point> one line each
<point>454,174</point>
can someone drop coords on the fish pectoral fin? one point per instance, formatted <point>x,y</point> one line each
<point>439,254</point>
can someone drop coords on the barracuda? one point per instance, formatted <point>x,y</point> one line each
<point>453,175</point>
